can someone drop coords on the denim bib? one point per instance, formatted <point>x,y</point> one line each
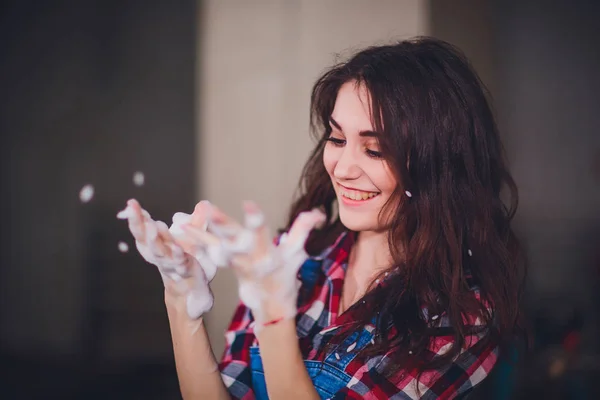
<point>328,376</point>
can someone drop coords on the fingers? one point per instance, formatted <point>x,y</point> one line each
<point>206,246</point>
<point>198,219</point>
<point>179,235</point>
<point>198,236</point>
<point>254,218</point>
<point>135,219</point>
<point>201,214</point>
<point>181,273</point>
<point>189,232</point>
<point>207,264</point>
<point>255,222</point>
<point>164,242</point>
<point>222,225</point>
<point>195,290</point>
<point>233,237</point>
<point>301,228</point>
<point>179,219</point>
<point>292,247</point>
<point>217,216</point>
<point>153,239</point>
<point>199,299</point>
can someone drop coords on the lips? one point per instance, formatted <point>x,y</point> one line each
<point>356,194</point>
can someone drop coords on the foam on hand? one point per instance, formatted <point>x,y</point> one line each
<point>157,245</point>
<point>254,220</point>
<point>179,219</point>
<point>269,280</point>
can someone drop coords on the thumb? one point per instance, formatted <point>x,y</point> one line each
<point>301,228</point>
<point>201,214</point>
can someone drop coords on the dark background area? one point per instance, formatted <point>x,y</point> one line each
<point>541,62</point>
<point>92,91</point>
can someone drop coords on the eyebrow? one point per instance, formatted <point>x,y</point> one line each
<point>361,133</point>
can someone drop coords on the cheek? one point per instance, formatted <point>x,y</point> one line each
<point>383,178</point>
<point>329,160</point>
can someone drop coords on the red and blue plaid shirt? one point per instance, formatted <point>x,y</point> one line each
<point>317,323</point>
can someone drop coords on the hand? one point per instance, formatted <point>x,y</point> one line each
<point>267,274</point>
<point>183,274</point>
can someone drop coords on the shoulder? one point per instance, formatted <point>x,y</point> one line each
<point>455,378</point>
<point>450,377</point>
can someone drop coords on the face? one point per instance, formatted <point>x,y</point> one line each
<point>362,180</point>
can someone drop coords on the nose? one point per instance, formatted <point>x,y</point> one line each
<point>347,167</point>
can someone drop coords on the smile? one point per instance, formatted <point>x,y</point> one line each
<point>357,195</point>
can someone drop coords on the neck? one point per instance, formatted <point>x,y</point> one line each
<point>370,255</point>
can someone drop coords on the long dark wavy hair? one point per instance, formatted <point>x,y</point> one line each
<point>440,139</point>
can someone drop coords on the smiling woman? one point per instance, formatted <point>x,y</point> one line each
<point>409,151</point>
<point>410,285</point>
<point>361,178</point>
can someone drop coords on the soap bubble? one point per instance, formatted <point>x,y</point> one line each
<point>86,193</point>
<point>123,247</point>
<point>138,178</point>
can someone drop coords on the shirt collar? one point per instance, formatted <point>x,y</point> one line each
<point>337,253</point>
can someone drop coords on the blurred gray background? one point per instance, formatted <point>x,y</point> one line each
<point>210,100</point>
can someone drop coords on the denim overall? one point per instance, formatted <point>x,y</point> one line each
<point>328,377</point>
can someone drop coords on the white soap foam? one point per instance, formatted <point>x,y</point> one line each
<point>176,266</point>
<point>123,247</point>
<point>179,219</point>
<point>86,193</point>
<point>254,220</point>
<point>139,178</point>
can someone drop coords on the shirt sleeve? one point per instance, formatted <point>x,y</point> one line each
<point>467,370</point>
<point>235,363</point>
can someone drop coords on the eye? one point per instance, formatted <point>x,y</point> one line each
<point>336,142</point>
<point>374,154</point>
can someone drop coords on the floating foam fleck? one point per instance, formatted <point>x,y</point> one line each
<point>86,193</point>
<point>138,178</point>
<point>123,247</point>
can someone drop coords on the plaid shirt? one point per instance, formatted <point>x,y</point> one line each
<point>317,323</point>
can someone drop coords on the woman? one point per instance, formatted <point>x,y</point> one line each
<point>412,280</point>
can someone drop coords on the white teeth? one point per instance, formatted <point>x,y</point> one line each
<point>357,195</point>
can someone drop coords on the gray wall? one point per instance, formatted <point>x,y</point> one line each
<point>258,62</point>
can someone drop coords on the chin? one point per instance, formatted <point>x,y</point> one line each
<point>357,223</point>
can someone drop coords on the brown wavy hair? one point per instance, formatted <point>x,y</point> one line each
<point>439,136</point>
